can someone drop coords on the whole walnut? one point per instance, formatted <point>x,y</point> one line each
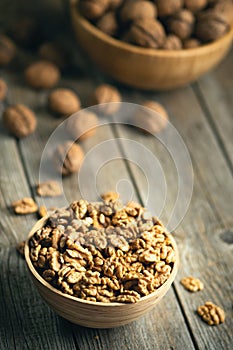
<point>135,10</point>
<point>168,7</point>
<point>51,51</point>
<point>104,95</point>
<point>195,5</point>
<point>7,50</point>
<point>147,33</point>
<point>93,9</point>
<point>114,4</point>
<point>108,24</point>
<point>63,101</point>
<point>19,120</point>
<point>82,125</point>
<point>151,119</point>
<point>225,7</point>
<point>210,26</point>
<point>191,43</point>
<point>182,24</point>
<point>172,43</point>
<point>68,158</point>
<point>3,89</point>
<point>42,74</point>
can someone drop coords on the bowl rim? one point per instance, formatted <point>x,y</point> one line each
<point>40,223</point>
<point>89,27</point>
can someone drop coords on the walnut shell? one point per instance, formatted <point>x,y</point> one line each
<point>181,24</point>
<point>191,43</point>
<point>50,51</point>
<point>64,101</point>
<point>68,158</point>
<point>106,94</point>
<point>168,7</point>
<point>82,125</point>
<point>7,51</point>
<point>147,33</point>
<point>211,26</point>
<point>195,5</point>
<point>93,9</point>
<point>108,23</point>
<point>3,89</point>
<point>225,7</point>
<point>135,10</point>
<point>154,118</point>
<point>114,4</point>
<point>19,120</point>
<point>172,43</point>
<point>42,74</point>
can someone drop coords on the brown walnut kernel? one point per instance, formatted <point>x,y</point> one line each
<point>19,120</point>
<point>68,158</point>
<point>20,248</point>
<point>49,188</point>
<point>122,261</point>
<point>211,313</point>
<point>192,284</point>
<point>42,74</point>
<point>24,206</point>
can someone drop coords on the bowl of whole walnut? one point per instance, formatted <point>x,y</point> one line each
<point>101,264</point>
<point>154,44</point>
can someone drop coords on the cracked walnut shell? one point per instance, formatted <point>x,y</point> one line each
<point>211,313</point>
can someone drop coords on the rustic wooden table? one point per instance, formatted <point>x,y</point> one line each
<point>202,113</point>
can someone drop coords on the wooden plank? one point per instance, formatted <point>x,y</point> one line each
<point>142,331</point>
<point>203,253</point>
<point>214,92</point>
<point>26,322</point>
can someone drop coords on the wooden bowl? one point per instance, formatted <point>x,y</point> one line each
<point>146,68</point>
<point>94,314</point>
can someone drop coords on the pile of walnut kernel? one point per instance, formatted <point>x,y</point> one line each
<point>161,24</point>
<point>103,252</point>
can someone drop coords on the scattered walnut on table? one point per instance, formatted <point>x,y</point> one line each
<point>24,206</point>
<point>211,313</point>
<point>20,248</point>
<point>192,284</point>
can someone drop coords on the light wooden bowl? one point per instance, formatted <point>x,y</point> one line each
<point>94,314</point>
<point>146,68</point>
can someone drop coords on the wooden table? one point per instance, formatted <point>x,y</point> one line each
<point>202,113</point>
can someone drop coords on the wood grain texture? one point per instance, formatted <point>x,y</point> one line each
<point>203,252</point>
<point>109,178</point>
<point>215,95</point>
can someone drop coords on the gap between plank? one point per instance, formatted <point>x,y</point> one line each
<point>201,99</point>
<point>121,149</point>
